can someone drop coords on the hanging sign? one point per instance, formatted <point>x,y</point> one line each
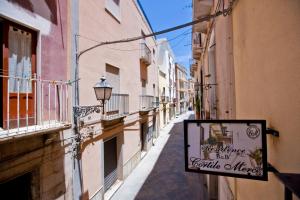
<point>235,148</point>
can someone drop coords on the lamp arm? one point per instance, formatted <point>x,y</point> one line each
<point>83,111</point>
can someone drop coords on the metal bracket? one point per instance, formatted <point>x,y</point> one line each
<point>289,180</point>
<point>208,86</point>
<point>272,132</point>
<point>83,111</point>
<point>271,168</point>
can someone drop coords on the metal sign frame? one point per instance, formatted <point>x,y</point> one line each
<point>263,177</point>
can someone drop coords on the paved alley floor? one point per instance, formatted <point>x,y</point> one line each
<point>161,174</point>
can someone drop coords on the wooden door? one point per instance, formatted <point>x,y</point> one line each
<point>19,60</point>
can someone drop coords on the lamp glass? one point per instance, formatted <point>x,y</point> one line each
<point>102,90</point>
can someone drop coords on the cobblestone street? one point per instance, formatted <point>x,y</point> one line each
<point>168,179</point>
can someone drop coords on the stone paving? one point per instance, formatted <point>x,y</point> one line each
<point>168,179</point>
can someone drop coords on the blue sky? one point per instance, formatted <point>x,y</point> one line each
<point>164,14</point>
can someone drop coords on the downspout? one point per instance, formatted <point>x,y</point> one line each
<point>77,165</point>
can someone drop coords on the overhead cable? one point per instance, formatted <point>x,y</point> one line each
<point>199,20</point>
<point>185,33</point>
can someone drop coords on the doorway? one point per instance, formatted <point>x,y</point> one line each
<point>154,126</point>
<point>164,115</point>
<point>18,188</point>
<point>110,163</point>
<point>143,137</point>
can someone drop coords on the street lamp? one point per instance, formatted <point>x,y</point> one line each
<point>102,91</point>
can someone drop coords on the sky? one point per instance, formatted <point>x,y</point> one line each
<point>164,14</point>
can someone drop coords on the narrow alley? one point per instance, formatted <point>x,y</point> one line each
<point>149,99</point>
<point>161,173</point>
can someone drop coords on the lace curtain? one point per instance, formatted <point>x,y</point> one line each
<point>19,45</point>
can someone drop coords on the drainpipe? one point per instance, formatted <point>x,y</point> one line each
<point>77,165</point>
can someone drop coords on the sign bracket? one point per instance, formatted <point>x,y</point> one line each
<point>271,168</point>
<point>272,132</point>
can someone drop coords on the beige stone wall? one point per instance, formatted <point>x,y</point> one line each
<point>266,35</point>
<point>225,68</point>
<point>97,24</point>
<point>257,59</point>
<point>92,164</point>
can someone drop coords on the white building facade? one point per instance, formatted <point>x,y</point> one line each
<point>165,61</point>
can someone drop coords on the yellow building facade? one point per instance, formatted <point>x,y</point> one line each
<point>253,59</point>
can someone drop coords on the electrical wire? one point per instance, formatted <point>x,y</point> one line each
<point>173,46</point>
<point>199,20</point>
<point>139,49</point>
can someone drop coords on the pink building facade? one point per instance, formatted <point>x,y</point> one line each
<point>35,161</point>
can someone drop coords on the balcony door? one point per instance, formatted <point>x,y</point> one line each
<point>18,63</point>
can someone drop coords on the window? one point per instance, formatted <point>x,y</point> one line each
<point>113,77</point>
<point>153,89</point>
<point>113,8</point>
<point>19,60</point>
<point>144,83</point>
<point>117,2</point>
<point>153,52</point>
<point>143,39</point>
<point>19,49</point>
<point>162,74</point>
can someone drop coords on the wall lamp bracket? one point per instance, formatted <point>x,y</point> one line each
<point>83,111</point>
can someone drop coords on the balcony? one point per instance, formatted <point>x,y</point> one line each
<point>192,72</point>
<point>201,8</point>
<point>117,107</point>
<point>174,100</point>
<point>32,106</point>
<point>197,45</point>
<point>147,103</point>
<point>156,102</point>
<point>194,67</point>
<point>145,54</point>
<point>193,64</point>
<point>164,99</point>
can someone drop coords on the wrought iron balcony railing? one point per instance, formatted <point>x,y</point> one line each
<point>147,102</point>
<point>174,100</point>
<point>197,42</point>
<point>117,106</point>
<point>145,54</point>
<point>164,99</point>
<point>32,104</point>
<point>156,102</point>
<point>197,45</point>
